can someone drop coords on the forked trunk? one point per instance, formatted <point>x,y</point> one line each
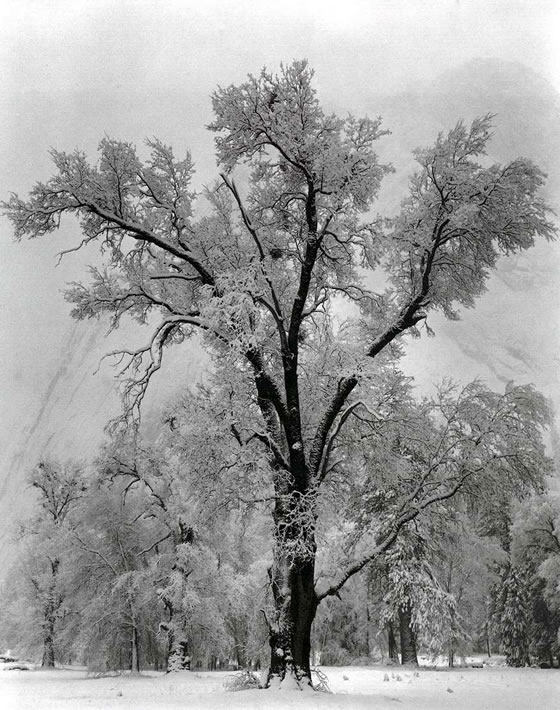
<point>408,637</point>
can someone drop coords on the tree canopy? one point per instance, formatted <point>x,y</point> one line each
<point>270,266</point>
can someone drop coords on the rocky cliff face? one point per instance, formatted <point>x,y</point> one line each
<point>512,334</point>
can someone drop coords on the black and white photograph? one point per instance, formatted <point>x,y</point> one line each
<point>279,354</point>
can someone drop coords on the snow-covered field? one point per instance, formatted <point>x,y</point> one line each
<point>489,688</point>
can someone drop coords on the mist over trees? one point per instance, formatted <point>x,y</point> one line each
<point>305,487</point>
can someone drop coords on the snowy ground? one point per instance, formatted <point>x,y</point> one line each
<point>489,688</point>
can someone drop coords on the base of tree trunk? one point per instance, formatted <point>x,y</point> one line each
<point>48,655</point>
<point>408,637</point>
<point>289,681</point>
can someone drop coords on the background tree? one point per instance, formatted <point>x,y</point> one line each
<point>260,271</point>
<point>40,579</point>
<point>535,549</point>
<point>113,573</point>
<point>61,487</point>
<point>514,617</point>
<point>191,562</point>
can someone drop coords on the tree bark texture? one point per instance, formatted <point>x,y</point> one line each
<point>293,590</point>
<point>392,643</point>
<point>50,609</point>
<point>178,658</point>
<point>134,649</point>
<point>134,640</point>
<point>408,637</point>
<point>451,657</point>
<point>48,651</point>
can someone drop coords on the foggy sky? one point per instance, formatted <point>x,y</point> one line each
<point>73,71</point>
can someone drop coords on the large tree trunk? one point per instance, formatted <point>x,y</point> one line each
<point>177,656</point>
<point>290,633</point>
<point>408,637</point>
<point>48,635</point>
<point>179,659</point>
<point>295,601</point>
<point>48,651</point>
<point>303,610</point>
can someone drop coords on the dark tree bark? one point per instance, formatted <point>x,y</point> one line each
<point>48,651</point>
<point>134,651</point>
<point>134,640</point>
<point>393,649</point>
<point>451,656</point>
<point>408,637</point>
<point>178,658</point>
<point>295,601</point>
<point>240,652</point>
<point>50,610</point>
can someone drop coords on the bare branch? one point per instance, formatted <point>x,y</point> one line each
<point>155,544</point>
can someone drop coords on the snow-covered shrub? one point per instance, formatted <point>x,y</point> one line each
<point>244,680</point>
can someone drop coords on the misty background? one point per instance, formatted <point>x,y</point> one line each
<point>73,72</point>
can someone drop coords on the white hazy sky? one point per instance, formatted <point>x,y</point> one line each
<point>62,44</point>
<point>72,70</point>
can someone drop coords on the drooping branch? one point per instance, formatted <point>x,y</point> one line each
<point>387,540</point>
<point>359,565</point>
<point>136,387</point>
<point>485,439</point>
